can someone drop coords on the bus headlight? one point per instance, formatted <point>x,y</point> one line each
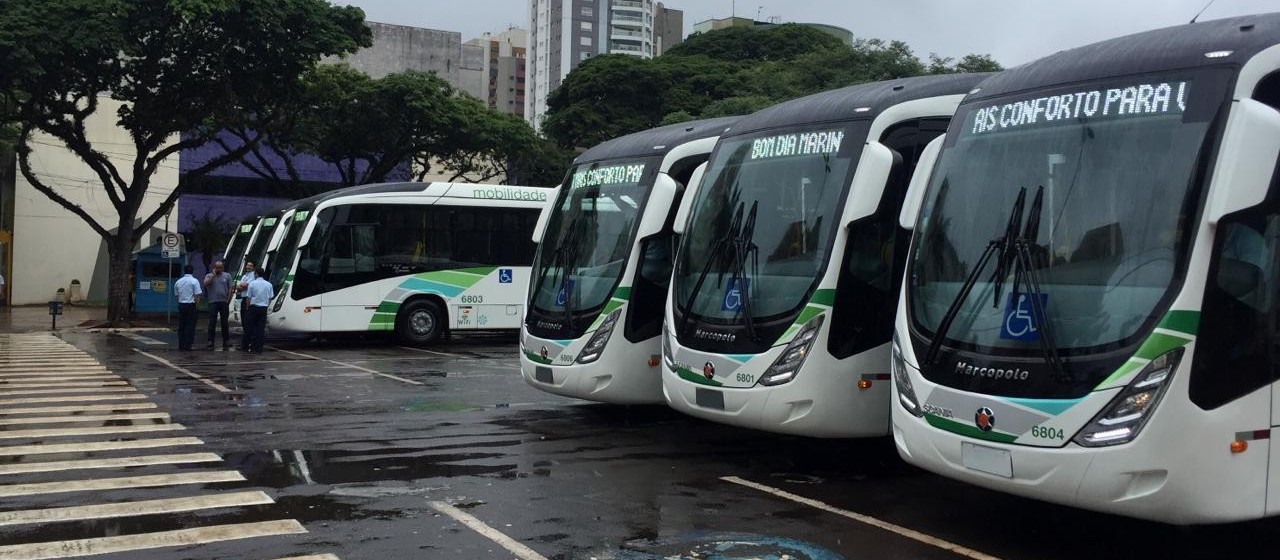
<point>668,355</point>
<point>793,356</point>
<point>280,298</point>
<point>902,381</point>
<point>1125,415</point>
<point>595,346</point>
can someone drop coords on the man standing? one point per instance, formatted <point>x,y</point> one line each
<point>242,285</point>
<point>259,295</point>
<point>188,290</point>
<point>217,291</point>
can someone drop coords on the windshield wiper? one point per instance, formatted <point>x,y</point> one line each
<point>1026,260</point>
<point>730,252</point>
<point>1001,244</point>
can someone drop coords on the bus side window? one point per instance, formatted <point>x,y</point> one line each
<point>307,279</point>
<point>1237,344</point>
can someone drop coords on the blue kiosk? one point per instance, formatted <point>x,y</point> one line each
<point>153,278</point>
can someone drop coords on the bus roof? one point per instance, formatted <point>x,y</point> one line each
<point>656,141</point>
<point>451,190</point>
<point>862,100</point>
<point>1172,48</point>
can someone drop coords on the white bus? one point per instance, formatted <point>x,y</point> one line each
<point>1089,314</point>
<point>782,298</point>
<point>418,259</point>
<point>604,262</point>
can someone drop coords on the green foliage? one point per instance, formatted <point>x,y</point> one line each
<point>173,67</point>
<point>605,97</point>
<point>732,71</point>
<point>749,44</point>
<point>209,235</point>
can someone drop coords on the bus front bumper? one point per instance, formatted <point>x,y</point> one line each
<point>825,404</point>
<point>622,375</point>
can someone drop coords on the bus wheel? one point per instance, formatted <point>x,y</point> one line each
<point>420,322</point>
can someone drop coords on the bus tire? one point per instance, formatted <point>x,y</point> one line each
<point>420,321</point>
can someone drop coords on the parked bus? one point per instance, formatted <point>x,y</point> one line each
<point>1089,315</point>
<point>782,298</point>
<point>604,263</point>
<point>418,259</point>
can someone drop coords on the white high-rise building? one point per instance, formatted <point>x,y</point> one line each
<point>563,33</point>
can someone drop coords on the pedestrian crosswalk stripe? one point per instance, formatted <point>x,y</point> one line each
<point>84,418</point>
<point>63,384</point>
<point>68,398</point>
<point>91,446</point>
<point>28,378</point>
<point>57,373</point>
<point>146,481</point>
<point>78,408</point>
<point>109,463</point>
<point>65,391</point>
<point>141,507</point>
<point>144,541</point>
<point>61,432</point>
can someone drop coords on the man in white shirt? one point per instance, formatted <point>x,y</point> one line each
<point>188,290</point>
<point>242,284</point>
<point>259,295</point>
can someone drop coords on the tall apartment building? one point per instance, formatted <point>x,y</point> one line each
<point>397,48</point>
<point>504,70</point>
<point>668,28</point>
<point>563,33</point>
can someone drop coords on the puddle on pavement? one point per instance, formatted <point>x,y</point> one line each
<point>718,546</point>
<point>281,469</point>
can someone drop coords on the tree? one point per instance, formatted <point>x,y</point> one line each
<point>970,63</point>
<point>487,145</point>
<point>606,97</point>
<point>750,44</point>
<point>209,235</point>
<point>174,67</point>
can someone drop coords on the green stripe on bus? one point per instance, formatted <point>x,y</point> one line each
<point>1125,369</point>
<point>537,359</point>
<point>690,376</point>
<point>1182,321</point>
<point>1157,344</point>
<point>808,313</point>
<point>824,297</point>
<point>967,430</point>
<point>461,278</point>
<point>391,307</point>
<point>622,293</point>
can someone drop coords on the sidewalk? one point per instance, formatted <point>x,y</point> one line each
<point>35,318</point>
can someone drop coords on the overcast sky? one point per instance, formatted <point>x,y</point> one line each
<point>1013,31</point>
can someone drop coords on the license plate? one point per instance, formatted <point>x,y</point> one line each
<point>986,459</point>
<point>709,398</point>
<point>543,374</point>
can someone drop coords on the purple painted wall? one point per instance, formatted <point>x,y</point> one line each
<point>310,168</point>
<point>234,209</point>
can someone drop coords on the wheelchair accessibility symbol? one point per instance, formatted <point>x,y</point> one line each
<point>1021,319</point>
<point>562,297</point>
<point>733,294</point>
<point>505,276</point>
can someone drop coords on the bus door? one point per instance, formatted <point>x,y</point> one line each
<point>350,288</point>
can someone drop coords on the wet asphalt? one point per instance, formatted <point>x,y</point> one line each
<point>358,440</point>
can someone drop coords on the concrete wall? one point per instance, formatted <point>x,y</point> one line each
<point>52,246</point>
<point>397,48</point>
<point>668,28</point>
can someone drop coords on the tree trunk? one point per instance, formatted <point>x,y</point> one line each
<point>119,284</point>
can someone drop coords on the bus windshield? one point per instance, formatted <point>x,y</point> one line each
<point>234,256</point>
<point>1115,166</point>
<point>762,225</point>
<point>281,262</point>
<point>266,228</point>
<point>589,236</point>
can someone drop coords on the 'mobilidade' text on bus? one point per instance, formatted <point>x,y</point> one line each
<point>1137,100</point>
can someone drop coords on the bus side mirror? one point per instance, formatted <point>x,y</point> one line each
<point>545,214</point>
<point>1253,133</point>
<point>874,167</point>
<point>658,207</point>
<point>920,183</point>
<point>686,202</point>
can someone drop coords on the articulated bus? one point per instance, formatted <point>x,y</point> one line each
<point>783,293</point>
<point>418,259</point>
<point>604,262</point>
<point>1089,313</point>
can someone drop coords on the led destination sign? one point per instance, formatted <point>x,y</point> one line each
<point>1159,98</point>
<point>799,144</point>
<point>612,175</point>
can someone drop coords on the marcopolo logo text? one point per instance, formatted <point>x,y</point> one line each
<point>970,370</point>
